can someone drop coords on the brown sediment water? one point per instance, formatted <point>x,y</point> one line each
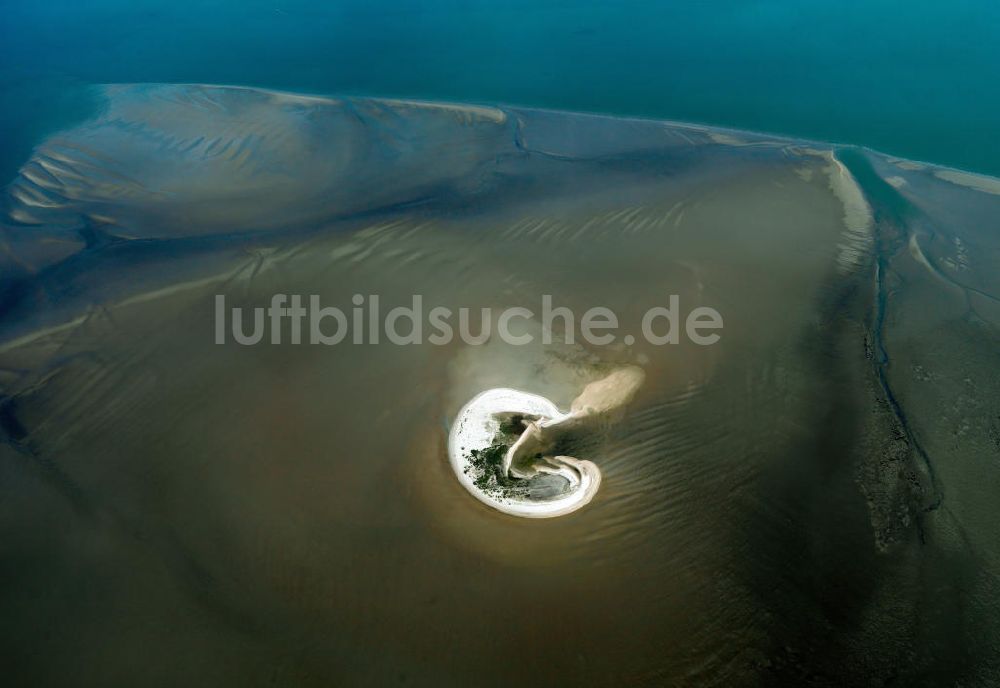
<point>809,500</point>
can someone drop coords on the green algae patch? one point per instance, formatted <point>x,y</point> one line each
<point>486,467</point>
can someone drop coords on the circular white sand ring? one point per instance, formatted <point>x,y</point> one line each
<point>479,423</point>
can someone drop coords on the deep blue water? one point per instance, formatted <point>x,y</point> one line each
<point>919,79</point>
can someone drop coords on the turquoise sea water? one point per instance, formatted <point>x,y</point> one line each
<point>915,79</point>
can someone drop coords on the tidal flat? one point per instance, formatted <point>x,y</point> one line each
<point>811,500</point>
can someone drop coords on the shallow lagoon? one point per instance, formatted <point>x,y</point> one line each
<point>810,500</point>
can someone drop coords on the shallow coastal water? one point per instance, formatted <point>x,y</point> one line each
<point>918,82</point>
<point>808,501</point>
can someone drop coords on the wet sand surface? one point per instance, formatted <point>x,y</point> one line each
<point>810,501</point>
